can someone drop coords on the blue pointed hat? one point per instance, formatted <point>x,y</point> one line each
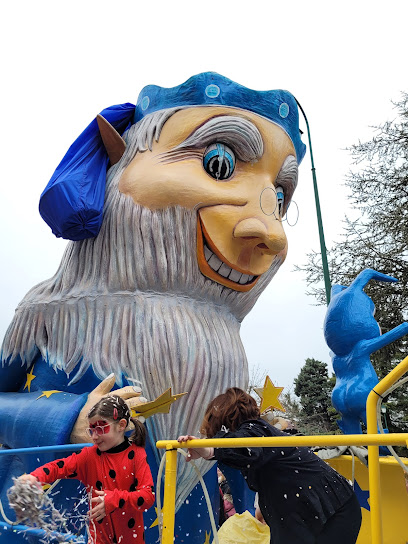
<point>72,202</point>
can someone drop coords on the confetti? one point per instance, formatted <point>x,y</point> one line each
<point>36,509</point>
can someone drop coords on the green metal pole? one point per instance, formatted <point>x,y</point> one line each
<point>325,265</point>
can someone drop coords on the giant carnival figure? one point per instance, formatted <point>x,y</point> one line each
<point>162,268</point>
<point>353,334</point>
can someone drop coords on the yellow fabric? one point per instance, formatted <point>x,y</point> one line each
<point>243,529</point>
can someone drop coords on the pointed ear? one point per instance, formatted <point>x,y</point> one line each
<point>336,289</point>
<point>114,143</point>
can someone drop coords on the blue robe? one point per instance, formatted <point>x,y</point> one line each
<point>42,410</point>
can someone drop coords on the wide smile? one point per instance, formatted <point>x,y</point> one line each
<point>214,266</point>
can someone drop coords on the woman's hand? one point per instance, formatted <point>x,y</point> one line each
<point>98,511</point>
<point>196,453</point>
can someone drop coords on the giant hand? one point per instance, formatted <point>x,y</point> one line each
<point>131,394</point>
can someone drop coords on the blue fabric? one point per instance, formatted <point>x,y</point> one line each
<point>212,89</point>
<point>72,202</point>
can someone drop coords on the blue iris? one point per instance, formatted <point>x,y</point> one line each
<point>219,161</point>
<point>280,198</point>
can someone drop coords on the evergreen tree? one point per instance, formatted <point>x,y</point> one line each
<point>377,237</point>
<point>313,387</point>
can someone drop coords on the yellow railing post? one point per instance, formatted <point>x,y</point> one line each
<point>373,451</point>
<point>169,502</point>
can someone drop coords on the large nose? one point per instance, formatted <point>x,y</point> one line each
<point>266,233</point>
<point>261,224</point>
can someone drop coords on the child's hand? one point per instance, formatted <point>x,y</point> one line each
<point>29,478</point>
<point>196,453</point>
<point>98,511</point>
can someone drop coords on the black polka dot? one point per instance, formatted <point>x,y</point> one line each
<point>152,487</point>
<point>100,520</point>
<point>46,470</point>
<point>131,454</point>
<point>140,501</point>
<point>98,485</point>
<point>98,451</point>
<point>73,475</point>
<point>114,540</point>
<point>60,464</point>
<point>132,487</point>
<point>112,474</point>
<point>131,523</point>
<point>121,503</point>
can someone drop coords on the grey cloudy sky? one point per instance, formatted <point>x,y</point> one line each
<point>66,61</point>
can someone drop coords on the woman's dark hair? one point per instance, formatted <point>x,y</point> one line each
<point>229,409</point>
<point>114,407</point>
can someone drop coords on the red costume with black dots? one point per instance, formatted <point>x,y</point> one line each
<point>123,473</point>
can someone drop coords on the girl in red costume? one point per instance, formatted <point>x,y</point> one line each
<point>114,471</point>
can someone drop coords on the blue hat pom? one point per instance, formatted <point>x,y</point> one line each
<point>72,202</point>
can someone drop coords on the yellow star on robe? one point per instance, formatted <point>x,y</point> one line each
<point>207,538</point>
<point>30,378</point>
<point>156,521</point>
<point>269,396</point>
<point>160,405</point>
<point>48,393</point>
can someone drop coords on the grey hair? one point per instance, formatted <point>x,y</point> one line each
<point>140,136</point>
<point>235,131</point>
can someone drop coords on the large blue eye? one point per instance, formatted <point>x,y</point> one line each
<point>219,161</point>
<point>280,196</point>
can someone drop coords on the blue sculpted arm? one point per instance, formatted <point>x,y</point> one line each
<point>27,420</point>
<point>375,344</point>
<point>30,412</point>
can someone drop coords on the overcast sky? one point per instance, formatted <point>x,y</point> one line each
<point>63,62</point>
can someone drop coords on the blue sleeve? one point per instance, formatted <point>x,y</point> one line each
<point>33,412</point>
<point>29,419</point>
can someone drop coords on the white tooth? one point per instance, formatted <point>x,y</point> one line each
<point>215,263</point>
<point>244,278</point>
<point>224,270</point>
<point>235,275</point>
<point>207,252</point>
<point>251,278</point>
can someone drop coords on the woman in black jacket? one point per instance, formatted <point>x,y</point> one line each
<point>302,499</point>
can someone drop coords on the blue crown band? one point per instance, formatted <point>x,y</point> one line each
<point>212,89</point>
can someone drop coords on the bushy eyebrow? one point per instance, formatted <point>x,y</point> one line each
<point>236,132</point>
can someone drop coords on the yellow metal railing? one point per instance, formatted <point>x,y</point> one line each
<point>373,452</point>
<point>372,439</point>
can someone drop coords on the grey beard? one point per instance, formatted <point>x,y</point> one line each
<point>133,301</point>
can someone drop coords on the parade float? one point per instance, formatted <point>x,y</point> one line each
<point>174,210</point>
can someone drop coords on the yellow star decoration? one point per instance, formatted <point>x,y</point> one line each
<point>156,521</point>
<point>207,538</point>
<point>48,393</point>
<point>269,396</point>
<point>30,378</point>
<point>160,405</point>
